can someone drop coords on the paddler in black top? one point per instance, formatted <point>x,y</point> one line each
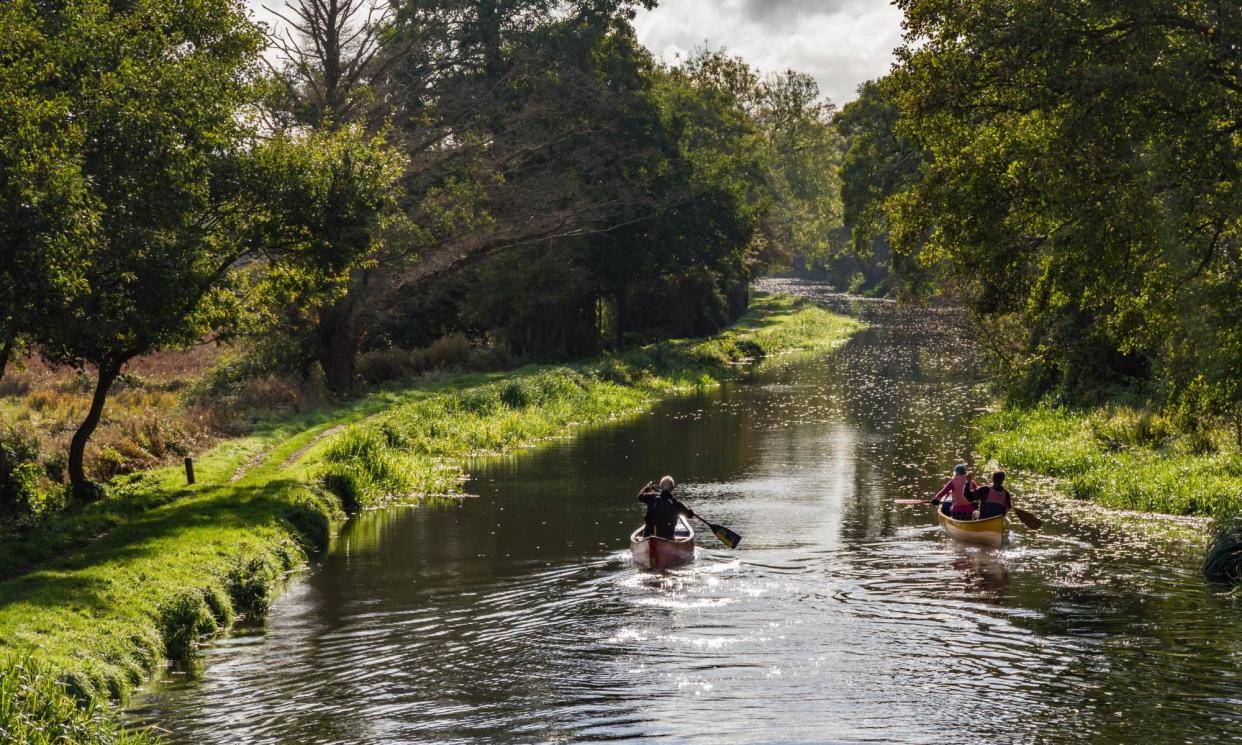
<point>662,508</point>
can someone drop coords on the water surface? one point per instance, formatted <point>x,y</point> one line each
<point>515,616</point>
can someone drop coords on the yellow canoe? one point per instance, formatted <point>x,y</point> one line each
<point>989,532</point>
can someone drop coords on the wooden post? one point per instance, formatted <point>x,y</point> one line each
<point>189,470</point>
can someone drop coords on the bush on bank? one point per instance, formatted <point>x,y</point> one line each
<point>147,573</point>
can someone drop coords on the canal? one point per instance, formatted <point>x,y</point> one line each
<point>515,615</point>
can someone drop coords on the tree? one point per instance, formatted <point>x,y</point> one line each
<point>321,199</point>
<point>154,90</point>
<point>802,158</point>
<point>1083,169</point>
<point>879,163</point>
<point>46,216</point>
<point>501,154</point>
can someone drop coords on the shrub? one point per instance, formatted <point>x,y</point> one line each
<point>20,471</point>
<point>382,365</point>
<point>184,620</point>
<point>1224,559</point>
<point>250,587</point>
<point>268,393</point>
<point>1118,429</point>
<point>516,394</point>
<point>15,384</point>
<point>220,606</point>
<point>107,462</point>
<point>36,708</point>
<point>363,469</point>
<point>309,517</point>
<point>479,401</point>
<point>451,350</point>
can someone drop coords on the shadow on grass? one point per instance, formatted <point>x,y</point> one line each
<point>164,539</point>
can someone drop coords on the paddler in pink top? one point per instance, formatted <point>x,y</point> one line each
<point>960,486</point>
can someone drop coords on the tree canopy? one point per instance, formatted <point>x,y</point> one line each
<point>1076,177</point>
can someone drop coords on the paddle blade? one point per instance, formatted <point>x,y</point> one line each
<point>1029,520</point>
<point>726,536</point>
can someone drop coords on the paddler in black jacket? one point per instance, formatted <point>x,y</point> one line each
<point>662,508</point>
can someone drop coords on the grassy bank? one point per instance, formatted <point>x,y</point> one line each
<point>1120,457</point>
<point>94,601</point>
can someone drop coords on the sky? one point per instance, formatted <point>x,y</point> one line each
<point>841,43</point>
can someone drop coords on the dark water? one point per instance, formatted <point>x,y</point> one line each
<point>516,616</point>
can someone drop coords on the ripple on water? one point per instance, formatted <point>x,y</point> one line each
<point>843,618</point>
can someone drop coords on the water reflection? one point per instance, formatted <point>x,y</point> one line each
<point>516,617</point>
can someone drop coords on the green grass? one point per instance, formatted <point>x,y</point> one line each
<point>1120,457</point>
<point>35,709</point>
<point>92,602</point>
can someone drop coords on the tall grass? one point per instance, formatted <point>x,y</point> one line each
<point>37,709</point>
<point>1121,457</point>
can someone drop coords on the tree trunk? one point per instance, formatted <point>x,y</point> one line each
<point>6,351</point>
<point>619,300</point>
<point>83,489</point>
<point>1237,423</point>
<point>337,340</point>
<point>489,38</point>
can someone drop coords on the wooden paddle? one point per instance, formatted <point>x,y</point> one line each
<point>912,501</point>
<point>725,536</point>
<point>1029,520</point>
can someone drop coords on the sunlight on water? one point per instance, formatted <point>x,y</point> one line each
<point>843,617</point>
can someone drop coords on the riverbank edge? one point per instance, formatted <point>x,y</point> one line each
<point>176,565</point>
<point>1118,457</point>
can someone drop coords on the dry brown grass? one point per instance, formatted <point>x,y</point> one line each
<point>145,423</point>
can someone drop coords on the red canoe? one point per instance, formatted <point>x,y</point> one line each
<point>662,553</point>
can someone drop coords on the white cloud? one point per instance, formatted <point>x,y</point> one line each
<point>840,42</point>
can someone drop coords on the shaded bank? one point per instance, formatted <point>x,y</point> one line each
<point>174,565</point>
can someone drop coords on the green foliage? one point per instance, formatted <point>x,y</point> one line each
<point>801,154</point>
<point>47,217</point>
<point>1122,427</point>
<point>363,469</point>
<point>323,196</point>
<point>1223,562</point>
<point>1070,171</point>
<point>20,472</point>
<point>539,302</point>
<point>158,131</point>
<point>879,162</point>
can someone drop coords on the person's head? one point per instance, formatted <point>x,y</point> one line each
<point>667,484</point>
<point>959,469</point>
<point>998,479</point>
